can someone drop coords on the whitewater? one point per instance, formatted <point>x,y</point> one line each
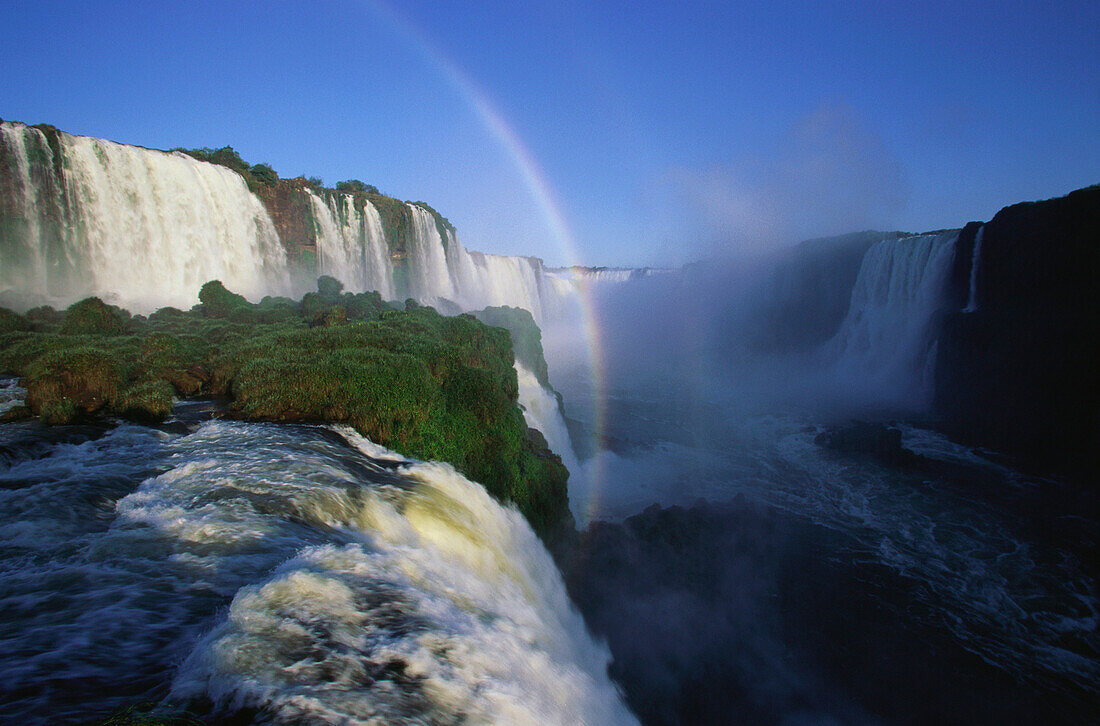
<point>294,572</point>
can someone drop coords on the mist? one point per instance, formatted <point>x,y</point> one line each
<point>765,510</point>
<point>828,174</point>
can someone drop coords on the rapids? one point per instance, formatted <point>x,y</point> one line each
<point>291,572</point>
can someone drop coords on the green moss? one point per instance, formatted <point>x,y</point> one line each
<point>58,411</point>
<point>67,381</point>
<point>526,337</point>
<point>218,302</point>
<point>92,316</point>
<point>44,318</point>
<point>149,401</point>
<point>11,321</point>
<point>428,386</point>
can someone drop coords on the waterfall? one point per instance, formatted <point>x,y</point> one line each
<point>972,301</point>
<point>604,274</point>
<point>885,345</point>
<point>142,228</point>
<point>33,220</point>
<point>440,267</point>
<point>351,244</point>
<point>541,411</point>
<point>429,276</point>
<point>299,570</point>
<point>137,227</point>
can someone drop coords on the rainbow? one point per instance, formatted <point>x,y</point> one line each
<point>542,193</point>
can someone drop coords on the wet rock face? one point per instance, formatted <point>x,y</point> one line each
<point>288,207</point>
<point>1022,371</point>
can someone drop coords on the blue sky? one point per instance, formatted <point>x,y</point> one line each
<point>661,132</point>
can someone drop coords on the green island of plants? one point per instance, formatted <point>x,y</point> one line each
<point>422,384</point>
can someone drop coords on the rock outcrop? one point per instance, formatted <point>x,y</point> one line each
<point>1021,370</point>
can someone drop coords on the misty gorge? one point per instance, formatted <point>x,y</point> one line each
<point>549,363</point>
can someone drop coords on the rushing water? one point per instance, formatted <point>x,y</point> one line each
<point>886,346</point>
<point>975,261</point>
<point>145,228</point>
<point>299,573</point>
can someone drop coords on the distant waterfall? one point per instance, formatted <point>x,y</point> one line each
<point>351,245</point>
<point>142,228</point>
<point>138,227</point>
<point>885,344</point>
<point>429,276</point>
<point>606,274</point>
<point>972,300</point>
<point>440,267</point>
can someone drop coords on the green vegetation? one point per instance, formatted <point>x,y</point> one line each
<point>264,174</point>
<point>11,321</point>
<point>526,337</point>
<point>92,316</point>
<point>226,156</point>
<point>425,385</point>
<point>256,175</point>
<point>353,186</point>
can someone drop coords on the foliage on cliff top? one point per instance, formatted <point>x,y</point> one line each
<point>351,186</point>
<point>254,175</point>
<point>526,337</point>
<point>425,385</point>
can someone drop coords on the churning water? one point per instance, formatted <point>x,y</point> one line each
<point>301,574</point>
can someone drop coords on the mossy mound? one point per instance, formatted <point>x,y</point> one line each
<point>425,385</point>
<point>92,316</point>
<point>67,381</point>
<point>11,321</point>
<point>526,337</point>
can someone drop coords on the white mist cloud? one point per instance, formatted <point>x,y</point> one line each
<point>829,175</point>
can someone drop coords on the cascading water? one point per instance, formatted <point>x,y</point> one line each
<point>351,244</point>
<point>429,276</point>
<point>604,274</point>
<point>972,299</point>
<point>303,572</point>
<point>541,411</point>
<point>443,268</point>
<point>31,201</point>
<point>145,228</point>
<point>884,347</point>
<point>138,227</point>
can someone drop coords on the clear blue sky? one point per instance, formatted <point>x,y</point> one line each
<point>665,131</point>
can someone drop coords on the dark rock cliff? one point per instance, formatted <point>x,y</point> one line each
<point>1022,372</point>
